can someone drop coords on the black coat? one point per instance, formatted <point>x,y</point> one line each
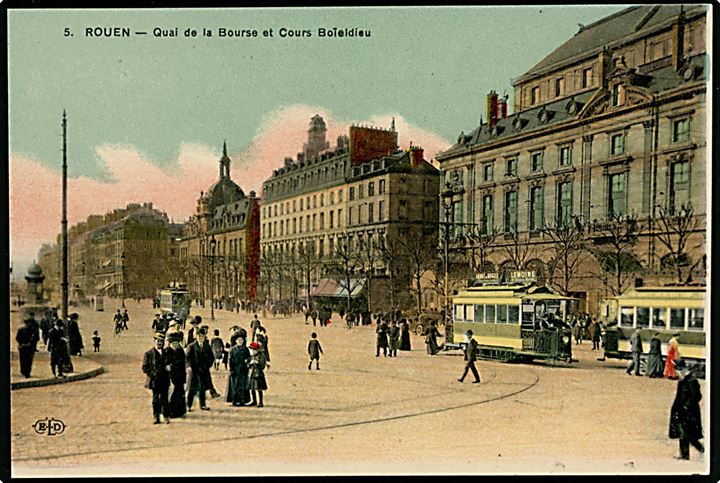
<point>74,337</point>
<point>176,360</point>
<point>154,367</point>
<point>199,357</point>
<point>471,350</point>
<point>685,412</point>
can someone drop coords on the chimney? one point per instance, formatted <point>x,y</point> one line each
<point>288,162</point>
<point>677,42</point>
<point>492,108</point>
<point>503,106</point>
<point>300,157</point>
<point>416,156</point>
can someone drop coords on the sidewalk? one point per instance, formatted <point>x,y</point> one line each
<point>84,368</point>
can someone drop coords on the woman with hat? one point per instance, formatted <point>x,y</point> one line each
<point>673,354</point>
<point>258,384</point>
<point>175,356</point>
<point>431,339</point>
<point>74,337</point>
<point>654,360</point>
<point>239,358</point>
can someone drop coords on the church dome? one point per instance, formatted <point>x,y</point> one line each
<point>35,270</point>
<point>223,192</point>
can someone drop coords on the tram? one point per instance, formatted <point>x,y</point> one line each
<point>664,310</point>
<point>175,299</point>
<point>514,322</point>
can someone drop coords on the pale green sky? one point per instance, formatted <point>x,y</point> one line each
<point>433,66</point>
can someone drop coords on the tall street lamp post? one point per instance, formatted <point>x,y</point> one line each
<point>122,279</point>
<point>450,197</point>
<point>213,244</point>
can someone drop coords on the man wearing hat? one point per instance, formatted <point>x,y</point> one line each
<point>207,352</point>
<point>156,368</point>
<point>200,362</point>
<point>470,357</point>
<point>26,338</point>
<point>160,323</point>
<point>685,422</point>
<point>57,345</point>
<point>636,349</point>
<point>195,323</point>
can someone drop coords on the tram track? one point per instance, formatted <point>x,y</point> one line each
<point>315,429</point>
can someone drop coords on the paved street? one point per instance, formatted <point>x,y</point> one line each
<point>358,413</point>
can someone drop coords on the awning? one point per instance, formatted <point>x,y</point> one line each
<point>107,262</point>
<point>328,287</point>
<point>105,286</point>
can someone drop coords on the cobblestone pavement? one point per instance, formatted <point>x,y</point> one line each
<point>358,413</point>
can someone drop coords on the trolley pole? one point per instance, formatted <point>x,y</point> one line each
<point>64,222</point>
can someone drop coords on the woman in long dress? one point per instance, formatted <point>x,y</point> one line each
<point>431,339</point>
<point>654,360</point>
<point>175,355</point>
<point>238,391</point>
<point>405,336</point>
<point>673,354</point>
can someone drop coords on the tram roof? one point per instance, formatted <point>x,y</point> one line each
<point>526,290</point>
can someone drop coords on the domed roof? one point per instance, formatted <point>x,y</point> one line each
<point>222,192</point>
<point>35,270</point>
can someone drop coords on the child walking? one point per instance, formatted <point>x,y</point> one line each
<point>314,351</point>
<point>96,341</point>
<point>258,384</point>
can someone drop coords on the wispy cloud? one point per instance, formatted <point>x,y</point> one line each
<point>35,189</point>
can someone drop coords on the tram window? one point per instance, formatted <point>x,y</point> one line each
<point>490,314</point>
<point>643,317</point>
<point>469,312</point>
<point>626,317</point>
<point>479,313</point>
<point>659,318</point>
<point>513,314</point>
<point>458,311</point>
<point>677,318</point>
<point>502,314</point>
<point>697,319</point>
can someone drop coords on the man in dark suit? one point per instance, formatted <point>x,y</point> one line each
<point>636,349</point>
<point>27,340</point>
<point>685,422</point>
<point>195,323</point>
<point>156,368</point>
<point>470,357</point>
<point>200,361</point>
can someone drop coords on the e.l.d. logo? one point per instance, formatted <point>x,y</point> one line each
<point>51,426</point>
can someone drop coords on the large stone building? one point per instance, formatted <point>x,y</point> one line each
<point>608,134</point>
<point>219,249</point>
<point>128,252</point>
<point>357,198</point>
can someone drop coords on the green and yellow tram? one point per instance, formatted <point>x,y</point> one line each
<point>512,322</point>
<point>663,310</point>
<point>175,299</point>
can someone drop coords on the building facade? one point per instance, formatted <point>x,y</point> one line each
<point>608,137</point>
<point>219,248</point>
<point>349,201</point>
<point>126,253</point>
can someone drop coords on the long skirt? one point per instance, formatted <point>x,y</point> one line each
<point>258,382</point>
<point>654,366</point>
<point>393,343</point>
<point>670,371</point>
<point>432,346</point>
<point>177,403</point>
<point>238,391</point>
<point>405,341</point>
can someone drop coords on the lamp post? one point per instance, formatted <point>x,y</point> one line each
<point>450,196</point>
<point>122,279</point>
<point>213,244</point>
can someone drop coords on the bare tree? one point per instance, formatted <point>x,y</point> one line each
<point>418,247</point>
<point>389,251</point>
<point>368,257</point>
<point>307,262</point>
<point>615,240</point>
<point>516,248</point>
<point>567,251</point>
<point>676,226</point>
<point>482,245</point>
<point>346,262</point>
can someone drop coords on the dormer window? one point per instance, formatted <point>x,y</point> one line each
<point>587,75</point>
<point>616,97</point>
<point>559,86</point>
<point>534,95</point>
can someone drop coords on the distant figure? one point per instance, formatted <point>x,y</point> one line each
<point>431,339</point>
<point>306,313</point>
<point>314,315</point>
<point>685,422</point>
<point>74,337</point>
<point>254,324</point>
<point>314,351</point>
<point>636,349</point>
<point>673,354</point>
<point>125,320</point>
<point>175,356</point>
<point>382,340</point>
<point>470,357</point>
<point>405,336</point>
<point>654,360</point>
<point>27,339</point>
<point>117,318</point>
<point>218,348</point>
<point>57,345</point>
<point>595,334</point>
<point>96,341</point>
<point>393,338</point>
<point>258,384</point>
<point>157,370</point>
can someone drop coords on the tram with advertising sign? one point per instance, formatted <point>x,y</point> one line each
<point>659,310</point>
<point>175,299</point>
<point>512,322</point>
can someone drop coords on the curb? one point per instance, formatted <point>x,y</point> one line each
<point>50,382</point>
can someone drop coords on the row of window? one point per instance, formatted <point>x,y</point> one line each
<point>662,318</point>
<point>369,213</point>
<point>370,190</point>
<point>308,202</point>
<point>488,313</point>
<point>360,242</point>
<point>311,178</point>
